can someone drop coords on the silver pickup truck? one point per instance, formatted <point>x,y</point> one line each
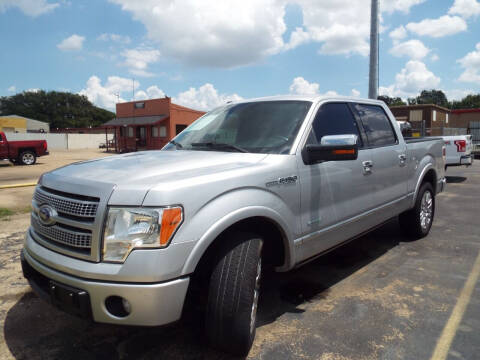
<point>271,182</point>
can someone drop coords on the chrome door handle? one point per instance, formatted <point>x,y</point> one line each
<point>367,166</point>
<point>403,159</point>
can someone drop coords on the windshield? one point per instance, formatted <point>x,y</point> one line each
<point>259,127</point>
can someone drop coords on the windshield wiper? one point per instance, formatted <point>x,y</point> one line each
<point>219,146</point>
<point>177,145</point>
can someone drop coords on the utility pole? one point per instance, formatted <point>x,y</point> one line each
<point>373,79</point>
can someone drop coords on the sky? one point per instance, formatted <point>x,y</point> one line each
<point>205,53</point>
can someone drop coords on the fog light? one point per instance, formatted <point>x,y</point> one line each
<point>118,306</point>
<point>126,306</point>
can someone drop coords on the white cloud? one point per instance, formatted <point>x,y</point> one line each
<point>137,60</point>
<point>212,33</point>
<point>355,93</point>
<point>31,8</point>
<point>443,26</point>
<point>458,94</point>
<point>404,6</point>
<point>398,33</point>
<point>152,92</point>
<point>12,88</point>
<point>414,49</point>
<point>465,8</point>
<point>471,65</point>
<point>434,57</point>
<point>122,39</point>
<point>33,90</point>
<point>300,86</point>
<point>72,43</point>
<point>118,89</point>
<point>413,78</point>
<point>233,33</point>
<point>341,26</point>
<point>106,95</point>
<point>206,97</point>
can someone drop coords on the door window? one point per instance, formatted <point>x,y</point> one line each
<point>333,119</point>
<point>378,128</point>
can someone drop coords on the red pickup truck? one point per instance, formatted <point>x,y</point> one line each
<point>22,152</point>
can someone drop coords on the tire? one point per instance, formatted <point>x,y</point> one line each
<point>233,294</point>
<point>417,222</point>
<point>27,157</point>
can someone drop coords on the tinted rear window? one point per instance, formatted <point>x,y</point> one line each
<point>378,127</point>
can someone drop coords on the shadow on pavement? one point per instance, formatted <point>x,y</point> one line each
<point>455,179</point>
<point>33,329</point>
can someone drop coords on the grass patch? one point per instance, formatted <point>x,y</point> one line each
<point>5,212</point>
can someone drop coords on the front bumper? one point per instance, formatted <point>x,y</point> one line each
<point>151,304</point>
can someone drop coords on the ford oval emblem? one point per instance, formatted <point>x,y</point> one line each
<point>47,215</point>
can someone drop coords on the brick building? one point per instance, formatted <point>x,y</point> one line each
<point>149,124</point>
<point>463,118</point>
<point>430,118</point>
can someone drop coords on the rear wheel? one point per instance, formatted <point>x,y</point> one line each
<point>233,294</point>
<point>27,158</point>
<point>417,221</point>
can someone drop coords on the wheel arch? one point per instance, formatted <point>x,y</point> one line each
<point>428,175</point>
<point>262,221</point>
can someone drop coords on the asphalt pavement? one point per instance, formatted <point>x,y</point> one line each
<point>379,297</point>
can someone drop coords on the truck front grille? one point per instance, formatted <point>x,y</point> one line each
<point>68,206</point>
<point>71,238</point>
<point>73,230</point>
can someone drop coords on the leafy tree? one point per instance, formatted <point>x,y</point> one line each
<point>59,109</point>
<point>433,96</point>
<point>412,101</point>
<point>468,102</point>
<point>391,101</point>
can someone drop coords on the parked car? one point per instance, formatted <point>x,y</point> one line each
<point>458,150</point>
<point>23,152</point>
<point>273,182</point>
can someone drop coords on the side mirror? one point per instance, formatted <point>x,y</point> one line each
<point>332,148</point>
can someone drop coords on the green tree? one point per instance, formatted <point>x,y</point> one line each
<point>59,109</point>
<point>468,102</point>
<point>391,101</point>
<point>433,96</point>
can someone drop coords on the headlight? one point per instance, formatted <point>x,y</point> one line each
<point>132,228</point>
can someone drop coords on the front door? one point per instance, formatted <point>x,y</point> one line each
<point>334,194</point>
<point>141,137</point>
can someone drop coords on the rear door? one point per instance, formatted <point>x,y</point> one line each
<point>333,192</point>
<point>3,147</point>
<point>389,170</point>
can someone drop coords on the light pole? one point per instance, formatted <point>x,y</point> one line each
<point>373,78</point>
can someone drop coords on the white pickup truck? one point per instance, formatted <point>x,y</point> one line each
<point>458,150</point>
<point>271,182</point>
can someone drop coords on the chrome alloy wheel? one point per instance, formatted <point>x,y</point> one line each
<point>28,158</point>
<point>256,293</point>
<point>426,210</point>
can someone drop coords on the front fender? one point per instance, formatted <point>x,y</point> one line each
<point>210,221</point>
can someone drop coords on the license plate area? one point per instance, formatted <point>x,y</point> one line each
<point>69,299</point>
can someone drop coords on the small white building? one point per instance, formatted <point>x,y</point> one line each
<point>16,123</point>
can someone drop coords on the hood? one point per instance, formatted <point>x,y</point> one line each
<point>136,173</point>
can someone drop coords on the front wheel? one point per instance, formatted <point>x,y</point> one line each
<point>233,294</point>
<point>417,221</point>
<point>27,158</point>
